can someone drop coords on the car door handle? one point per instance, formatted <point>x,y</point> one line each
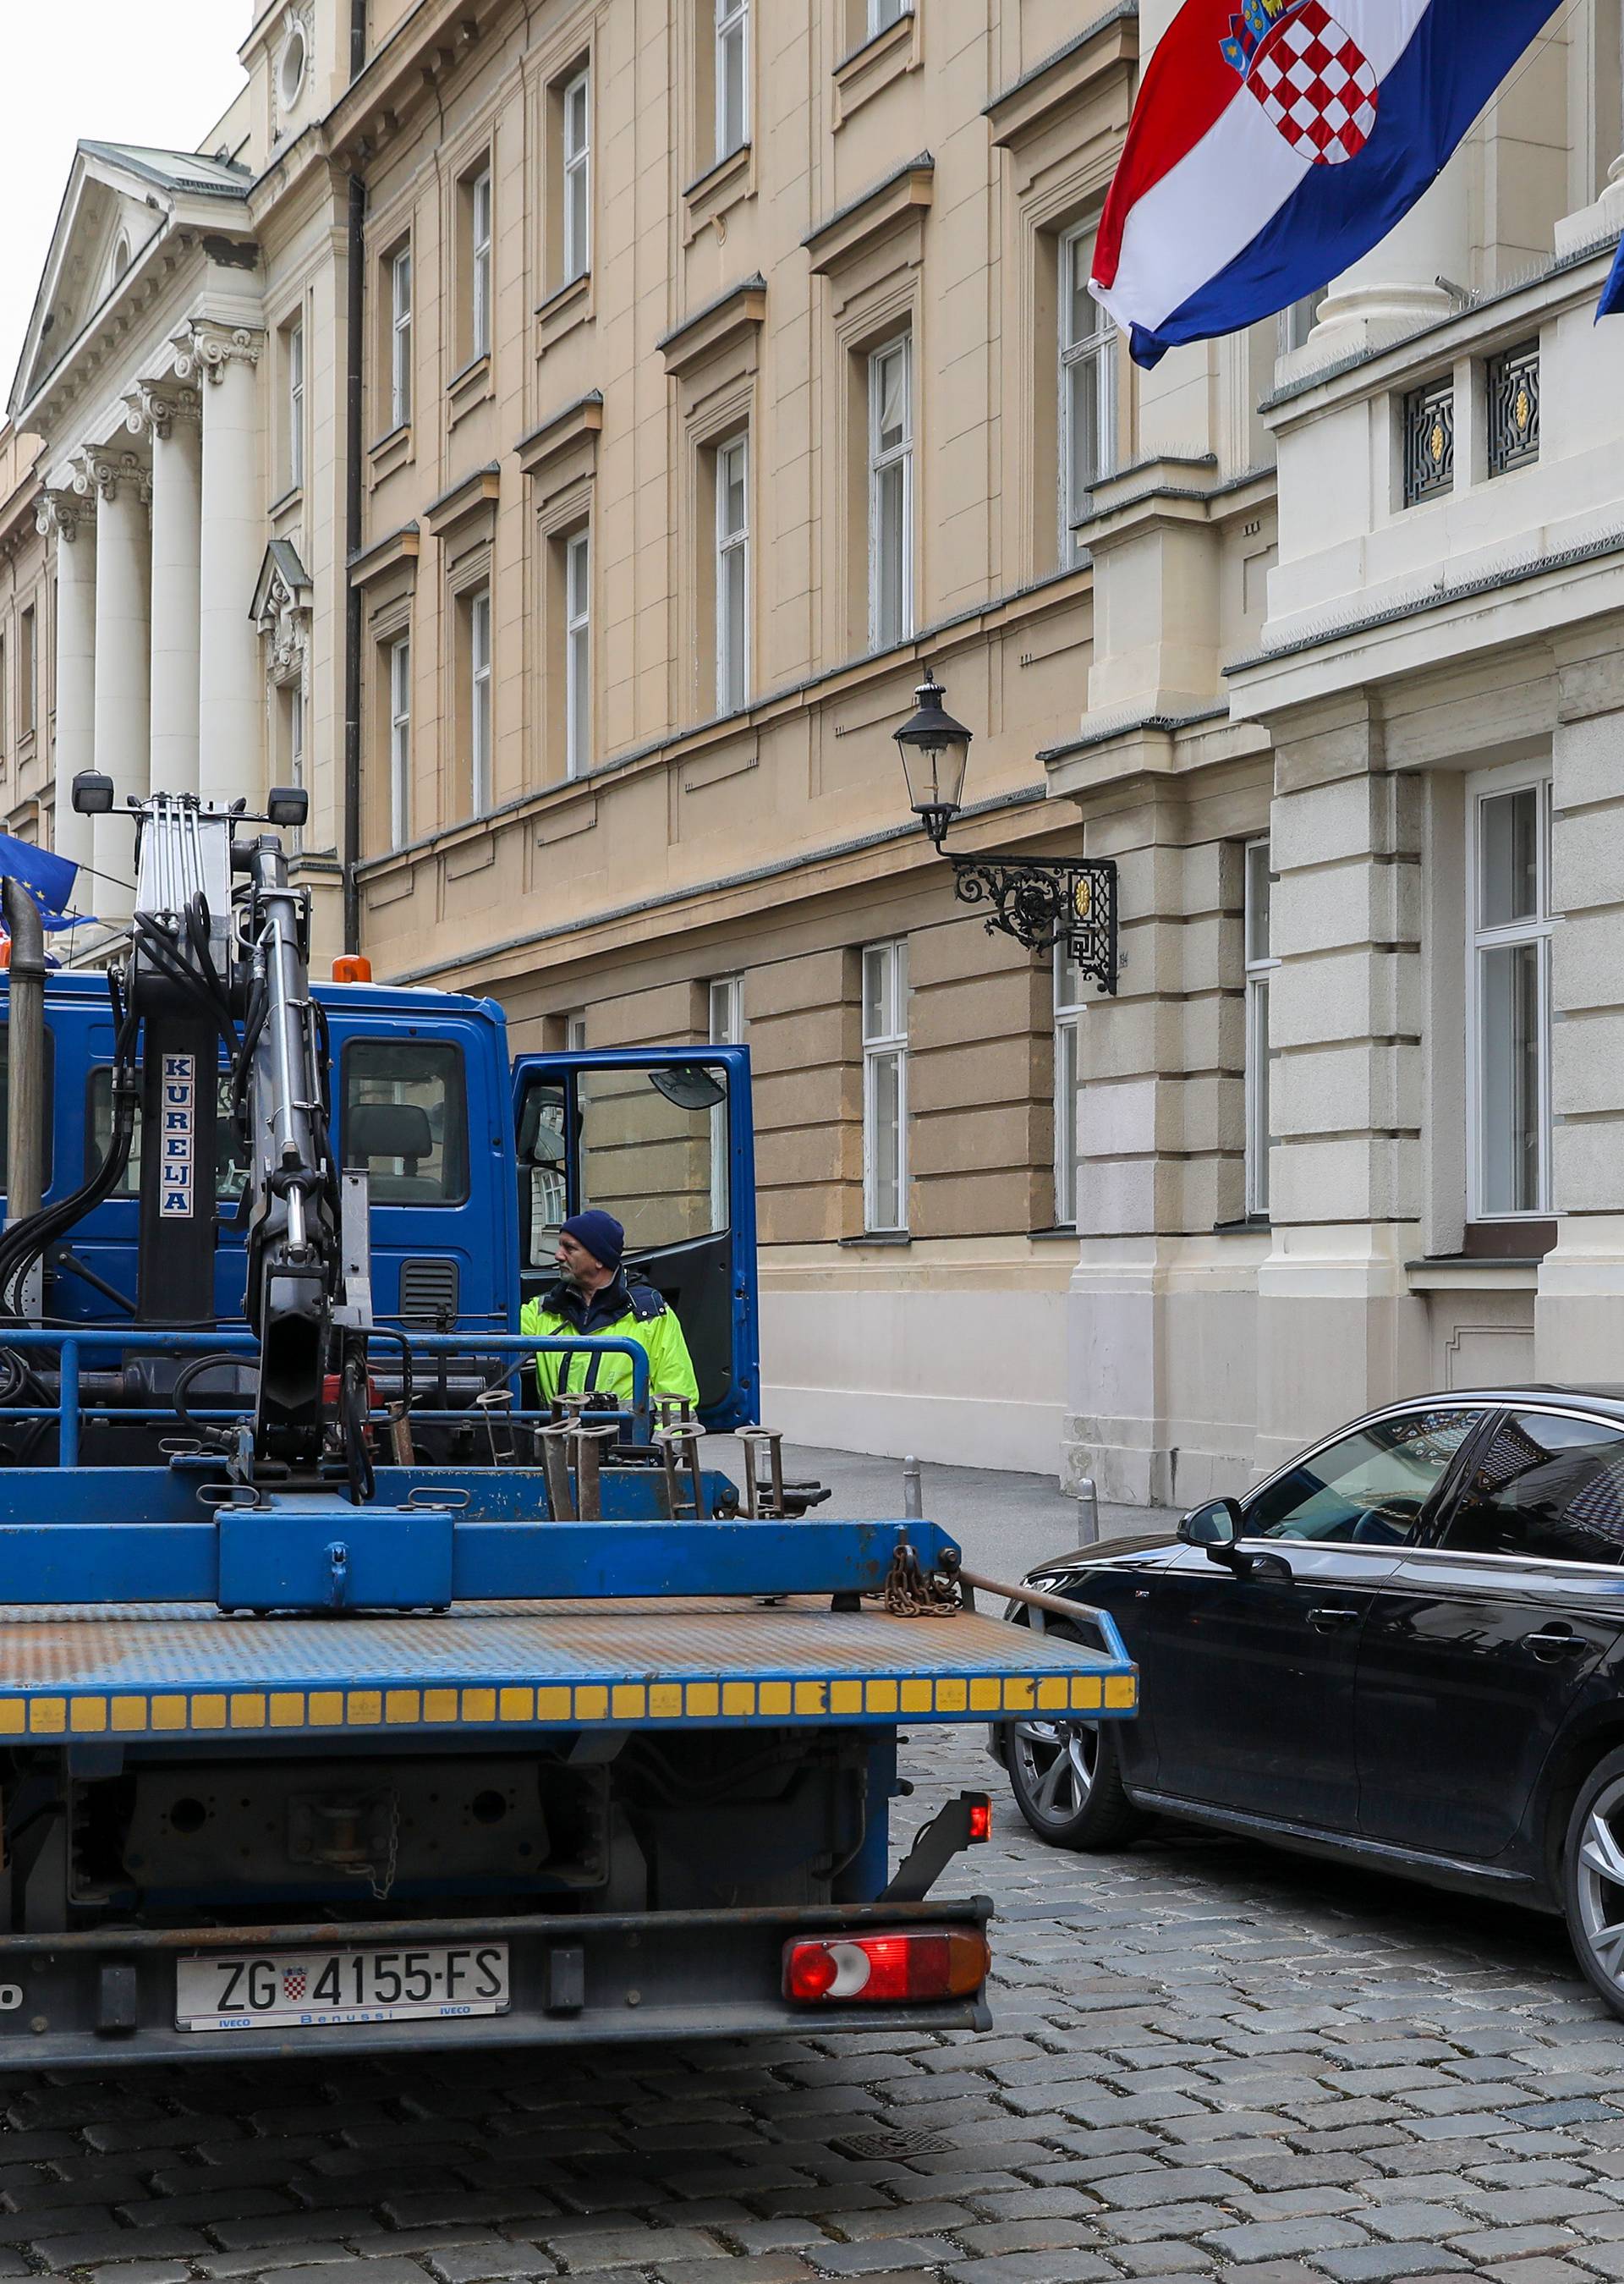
<point>1553,1645</point>
<point>1330,1616</point>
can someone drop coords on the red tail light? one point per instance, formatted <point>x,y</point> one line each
<point>980,1820</point>
<point>889,1967</point>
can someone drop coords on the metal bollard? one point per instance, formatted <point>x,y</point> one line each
<point>913,1489</point>
<point>1087,1513</point>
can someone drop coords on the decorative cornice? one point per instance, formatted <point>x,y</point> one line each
<point>738,311</point>
<point>98,469</point>
<point>58,515</point>
<point>467,497</point>
<point>151,408</point>
<point>582,418</point>
<point>203,349</point>
<point>899,196</point>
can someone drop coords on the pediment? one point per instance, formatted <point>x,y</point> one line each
<point>119,198</point>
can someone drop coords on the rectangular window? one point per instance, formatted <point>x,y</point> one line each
<point>1088,390</point>
<point>27,672</point>
<point>882,12</point>
<point>732,575</point>
<point>295,406</point>
<point>405,1120</point>
<point>1260,966</point>
<point>1068,1068</point>
<point>400,338</point>
<point>575,1033</point>
<point>1296,322</point>
<point>891,494</point>
<point>479,699</point>
<point>5,725</point>
<point>732,75</point>
<point>577,176</point>
<point>1509,995</point>
<point>400,742</point>
<point>884,1086</point>
<point>478,265</point>
<point>577,654</point>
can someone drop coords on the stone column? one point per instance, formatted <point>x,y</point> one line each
<point>170,416</point>
<point>1338,1330</point>
<point>71,521</point>
<point>1394,289</point>
<point>123,572</point>
<point>230,698</point>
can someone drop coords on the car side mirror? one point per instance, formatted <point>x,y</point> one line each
<point>1216,1527</point>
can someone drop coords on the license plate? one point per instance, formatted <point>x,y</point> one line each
<point>306,1989</point>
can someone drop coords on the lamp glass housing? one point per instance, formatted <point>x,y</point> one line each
<point>935,749</point>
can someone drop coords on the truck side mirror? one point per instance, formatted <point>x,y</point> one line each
<point>1216,1527</point>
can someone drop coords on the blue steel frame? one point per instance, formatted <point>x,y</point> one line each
<point>314,1550</point>
<point>72,1346</point>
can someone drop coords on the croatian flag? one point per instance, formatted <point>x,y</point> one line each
<point>1275,142</point>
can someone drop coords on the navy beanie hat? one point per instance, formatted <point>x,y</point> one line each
<point>601,1234</point>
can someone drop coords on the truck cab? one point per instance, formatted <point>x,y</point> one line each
<point>472,1162</point>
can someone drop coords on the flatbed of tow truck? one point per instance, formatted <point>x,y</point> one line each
<point>171,1670</point>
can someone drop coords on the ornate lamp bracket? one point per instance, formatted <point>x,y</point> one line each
<point>1043,901</point>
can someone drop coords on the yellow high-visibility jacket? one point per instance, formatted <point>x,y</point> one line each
<point>625,1310</point>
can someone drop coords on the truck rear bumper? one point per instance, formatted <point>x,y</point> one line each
<point>109,1996</point>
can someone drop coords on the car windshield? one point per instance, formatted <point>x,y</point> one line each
<point>1370,1486</point>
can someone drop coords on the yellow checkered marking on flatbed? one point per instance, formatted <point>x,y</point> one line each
<point>564,1705</point>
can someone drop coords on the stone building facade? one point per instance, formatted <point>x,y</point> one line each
<point>717,366</point>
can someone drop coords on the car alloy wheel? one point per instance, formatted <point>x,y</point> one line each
<point>1598,1885</point>
<point>1057,1762</point>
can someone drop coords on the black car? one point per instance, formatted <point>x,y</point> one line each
<point>1406,1648</point>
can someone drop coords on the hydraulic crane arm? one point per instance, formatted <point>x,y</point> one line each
<point>219,952</point>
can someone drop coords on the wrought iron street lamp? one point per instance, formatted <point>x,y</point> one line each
<point>1040,901</point>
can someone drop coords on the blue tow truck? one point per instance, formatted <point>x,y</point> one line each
<point>346,1695</point>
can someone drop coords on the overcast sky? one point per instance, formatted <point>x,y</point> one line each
<point>108,70</point>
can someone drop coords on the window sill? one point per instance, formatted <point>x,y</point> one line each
<point>721,188</point>
<point>470,386</point>
<point>894,1237</point>
<point>1053,1235</point>
<point>873,65</point>
<point>570,305</point>
<point>291,499</point>
<point>390,451</point>
<point>1248,1225</point>
<point>1466,1273</point>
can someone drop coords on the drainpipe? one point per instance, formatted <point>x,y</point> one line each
<point>353,447</point>
<point>24,1045</point>
<point>355,319</point>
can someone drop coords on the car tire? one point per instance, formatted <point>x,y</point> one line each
<point>1593,1879</point>
<point>1066,1776</point>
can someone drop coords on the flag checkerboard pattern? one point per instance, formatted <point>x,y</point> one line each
<point>1316,87</point>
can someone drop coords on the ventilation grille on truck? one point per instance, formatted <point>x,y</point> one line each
<point>429,1292</point>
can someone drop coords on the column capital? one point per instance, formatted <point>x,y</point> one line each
<point>98,470</point>
<point>58,514</point>
<point>204,347</point>
<point>154,408</point>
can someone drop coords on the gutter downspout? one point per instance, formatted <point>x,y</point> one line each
<point>355,319</point>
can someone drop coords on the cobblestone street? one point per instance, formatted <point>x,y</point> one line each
<point>1209,2058</point>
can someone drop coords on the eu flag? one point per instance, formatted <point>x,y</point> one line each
<point>1612,303</point>
<point>48,877</point>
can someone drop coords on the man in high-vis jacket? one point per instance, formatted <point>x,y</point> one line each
<point>596,1299</point>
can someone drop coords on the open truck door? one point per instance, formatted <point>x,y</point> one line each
<point>663,1138</point>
